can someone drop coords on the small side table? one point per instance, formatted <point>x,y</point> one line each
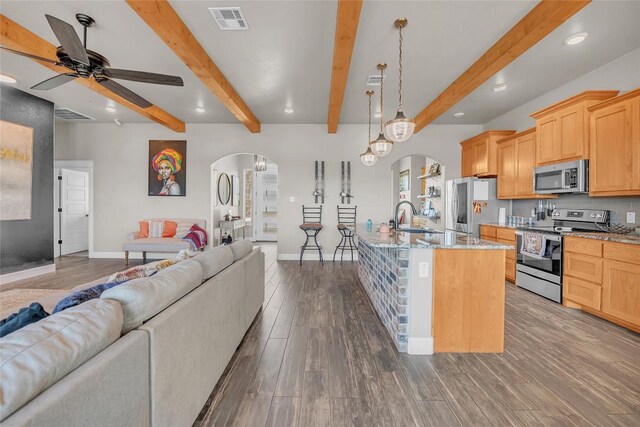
<point>231,227</point>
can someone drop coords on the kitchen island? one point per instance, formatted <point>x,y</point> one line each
<point>435,292</point>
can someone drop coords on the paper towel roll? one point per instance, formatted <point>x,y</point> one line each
<point>502,216</point>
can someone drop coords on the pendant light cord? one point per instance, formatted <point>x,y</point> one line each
<point>369,140</point>
<point>400,66</point>
<point>381,95</point>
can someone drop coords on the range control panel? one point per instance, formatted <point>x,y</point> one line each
<point>583,215</point>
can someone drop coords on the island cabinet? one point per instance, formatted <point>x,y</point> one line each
<point>603,278</point>
<point>516,161</point>
<point>614,168</point>
<point>562,129</point>
<point>480,153</point>
<point>507,236</point>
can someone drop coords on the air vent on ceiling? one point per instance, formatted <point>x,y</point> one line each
<point>67,114</point>
<point>229,18</point>
<point>374,79</point>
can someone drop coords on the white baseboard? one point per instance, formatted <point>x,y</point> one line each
<point>316,257</point>
<point>27,274</point>
<point>420,345</point>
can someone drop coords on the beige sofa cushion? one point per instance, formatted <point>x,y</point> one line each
<point>40,354</point>
<point>143,298</point>
<point>215,260</point>
<point>241,248</point>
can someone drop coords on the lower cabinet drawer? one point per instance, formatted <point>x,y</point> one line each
<point>582,292</point>
<point>487,231</point>
<point>506,234</point>
<point>510,269</point>
<point>583,267</point>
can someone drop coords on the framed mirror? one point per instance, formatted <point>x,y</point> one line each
<point>224,188</point>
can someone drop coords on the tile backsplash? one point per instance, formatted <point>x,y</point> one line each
<point>619,206</point>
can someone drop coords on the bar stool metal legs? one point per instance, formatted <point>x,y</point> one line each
<point>346,243</point>
<point>311,234</point>
<point>311,225</point>
<point>347,229</point>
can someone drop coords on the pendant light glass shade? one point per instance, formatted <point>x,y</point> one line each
<point>381,146</point>
<point>368,158</point>
<point>401,128</point>
<point>260,163</point>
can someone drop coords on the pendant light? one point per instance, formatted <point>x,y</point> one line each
<point>260,163</point>
<point>368,158</point>
<point>381,146</point>
<point>401,128</point>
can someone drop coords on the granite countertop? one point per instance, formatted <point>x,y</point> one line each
<point>630,238</point>
<point>439,240</point>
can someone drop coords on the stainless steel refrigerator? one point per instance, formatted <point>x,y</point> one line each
<point>460,197</point>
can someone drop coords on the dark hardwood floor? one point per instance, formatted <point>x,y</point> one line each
<point>318,355</point>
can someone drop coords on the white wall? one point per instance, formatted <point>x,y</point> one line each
<point>621,74</point>
<point>120,170</point>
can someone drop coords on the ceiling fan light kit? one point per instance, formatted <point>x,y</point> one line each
<point>381,146</point>
<point>84,63</point>
<point>400,128</point>
<point>368,158</point>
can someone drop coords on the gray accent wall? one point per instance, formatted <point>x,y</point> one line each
<point>26,244</point>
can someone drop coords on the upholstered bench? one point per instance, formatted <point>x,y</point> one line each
<point>155,243</point>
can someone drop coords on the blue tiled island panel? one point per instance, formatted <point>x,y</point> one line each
<point>384,273</point>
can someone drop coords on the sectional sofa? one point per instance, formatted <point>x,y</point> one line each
<point>148,352</point>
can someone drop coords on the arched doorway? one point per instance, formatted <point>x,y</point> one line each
<point>244,198</point>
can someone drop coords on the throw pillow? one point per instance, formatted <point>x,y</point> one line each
<point>169,229</point>
<point>197,236</point>
<point>132,273</point>
<point>144,229</point>
<point>78,297</point>
<point>25,316</point>
<point>155,228</point>
<point>159,265</point>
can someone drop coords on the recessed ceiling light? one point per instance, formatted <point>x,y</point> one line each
<point>5,78</point>
<point>110,108</point>
<point>117,122</point>
<point>500,87</point>
<point>288,110</point>
<point>200,109</point>
<point>576,38</point>
<point>460,114</point>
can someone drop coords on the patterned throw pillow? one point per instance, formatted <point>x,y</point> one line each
<point>155,228</point>
<point>78,297</point>
<point>159,265</point>
<point>132,273</point>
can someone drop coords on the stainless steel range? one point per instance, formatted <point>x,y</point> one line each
<point>539,249</point>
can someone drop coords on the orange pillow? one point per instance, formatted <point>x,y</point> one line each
<point>144,229</point>
<point>169,229</point>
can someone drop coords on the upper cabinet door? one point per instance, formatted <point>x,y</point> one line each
<point>611,164</point>
<point>526,161</point>
<point>571,133</point>
<point>547,136</point>
<point>507,169</point>
<point>481,164</point>
<point>468,159</point>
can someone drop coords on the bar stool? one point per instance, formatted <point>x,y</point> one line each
<point>311,225</point>
<point>346,219</point>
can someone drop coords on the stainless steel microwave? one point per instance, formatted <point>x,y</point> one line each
<point>568,177</point>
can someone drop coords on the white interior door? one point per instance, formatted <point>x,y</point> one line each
<point>74,220</point>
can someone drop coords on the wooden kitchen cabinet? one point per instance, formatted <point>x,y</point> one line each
<point>480,153</point>
<point>603,278</point>
<point>507,236</point>
<point>614,168</point>
<point>562,129</point>
<point>516,161</point>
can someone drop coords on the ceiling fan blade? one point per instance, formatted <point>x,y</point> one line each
<point>69,40</point>
<point>130,96</point>
<point>54,81</point>
<point>28,55</point>
<point>144,77</point>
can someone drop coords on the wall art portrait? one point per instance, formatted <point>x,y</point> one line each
<point>167,168</point>
<point>16,158</point>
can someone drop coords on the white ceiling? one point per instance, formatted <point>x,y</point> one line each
<point>285,58</point>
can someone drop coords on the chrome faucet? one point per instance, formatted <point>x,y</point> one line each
<point>395,216</point>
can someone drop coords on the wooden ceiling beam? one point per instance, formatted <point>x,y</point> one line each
<point>16,37</point>
<point>346,29</point>
<point>165,22</point>
<point>537,24</point>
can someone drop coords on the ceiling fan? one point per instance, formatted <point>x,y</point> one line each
<point>85,63</point>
